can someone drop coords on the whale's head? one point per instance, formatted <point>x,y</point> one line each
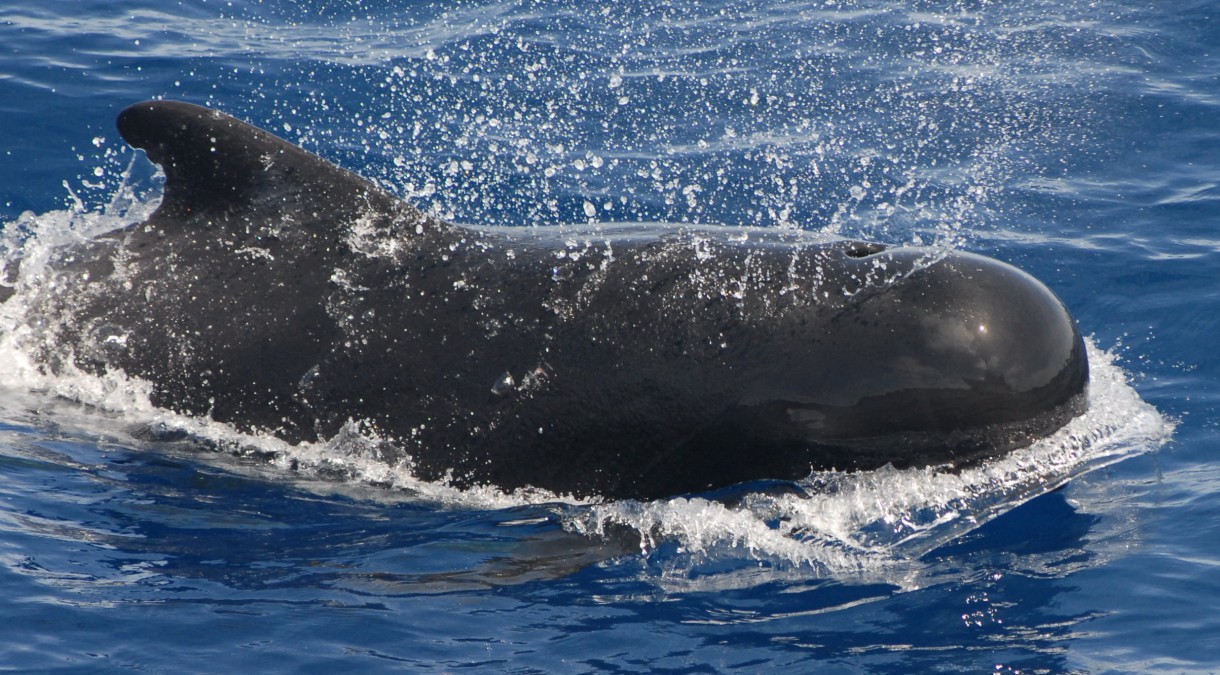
<point>938,358</point>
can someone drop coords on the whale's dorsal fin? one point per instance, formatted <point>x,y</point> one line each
<point>223,172</point>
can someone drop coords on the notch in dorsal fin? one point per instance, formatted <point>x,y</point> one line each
<point>221,171</point>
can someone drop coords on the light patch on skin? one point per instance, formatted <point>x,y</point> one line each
<point>339,278</point>
<point>580,253</point>
<point>255,252</point>
<point>370,238</point>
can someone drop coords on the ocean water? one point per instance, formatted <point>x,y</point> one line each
<point>1077,140</point>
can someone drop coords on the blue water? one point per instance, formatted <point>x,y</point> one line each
<point>1078,140</point>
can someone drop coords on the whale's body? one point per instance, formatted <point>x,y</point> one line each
<point>277,292</point>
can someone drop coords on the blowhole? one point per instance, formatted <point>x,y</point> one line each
<point>863,249</point>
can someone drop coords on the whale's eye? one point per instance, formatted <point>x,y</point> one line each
<point>862,249</point>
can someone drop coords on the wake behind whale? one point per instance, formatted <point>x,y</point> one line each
<point>278,293</point>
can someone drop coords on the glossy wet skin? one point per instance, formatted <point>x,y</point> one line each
<point>963,359</point>
<point>964,324</point>
<point>274,291</point>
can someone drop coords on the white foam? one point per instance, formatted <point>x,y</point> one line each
<point>868,520</point>
<point>26,247</point>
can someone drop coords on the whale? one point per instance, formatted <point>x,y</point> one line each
<point>273,291</point>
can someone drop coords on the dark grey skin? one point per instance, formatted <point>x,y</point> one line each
<point>276,292</point>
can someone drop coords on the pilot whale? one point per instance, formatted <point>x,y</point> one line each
<point>281,294</point>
